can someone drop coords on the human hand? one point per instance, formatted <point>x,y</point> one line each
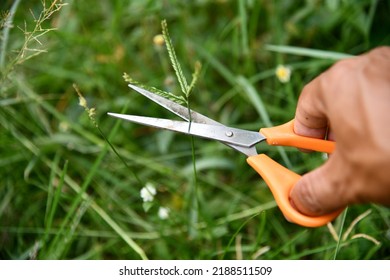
<point>350,103</point>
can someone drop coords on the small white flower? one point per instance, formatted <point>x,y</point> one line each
<point>163,213</point>
<point>283,73</point>
<point>148,192</point>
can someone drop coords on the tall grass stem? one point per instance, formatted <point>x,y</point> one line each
<point>340,240</point>
<point>6,30</point>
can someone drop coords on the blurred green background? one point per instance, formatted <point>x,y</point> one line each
<point>65,193</point>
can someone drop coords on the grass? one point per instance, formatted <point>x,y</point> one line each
<point>65,193</point>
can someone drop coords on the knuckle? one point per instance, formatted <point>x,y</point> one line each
<point>381,50</point>
<point>341,68</point>
<point>306,200</point>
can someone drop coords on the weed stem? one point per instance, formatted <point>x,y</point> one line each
<point>5,36</point>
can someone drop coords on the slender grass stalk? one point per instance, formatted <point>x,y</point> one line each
<point>76,203</point>
<point>307,52</point>
<point>186,91</point>
<point>50,189</point>
<point>339,241</point>
<point>369,20</point>
<point>348,231</point>
<point>367,237</point>
<point>40,131</point>
<point>194,210</point>
<point>53,202</point>
<point>243,26</point>
<point>4,38</point>
<point>257,102</point>
<point>332,231</point>
<point>7,198</point>
<point>354,223</point>
<point>27,50</point>
<point>101,212</point>
<point>227,247</point>
<point>217,65</point>
<point>105,216</point>
<point>262,227</point>
<point>91,113</point>
<point>24,87</point>
<point>60,248</point>
<point>37,32</point>
<point>287,244</point>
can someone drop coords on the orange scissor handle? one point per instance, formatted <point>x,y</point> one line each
<point>280,180</point>
<point>284,135</point>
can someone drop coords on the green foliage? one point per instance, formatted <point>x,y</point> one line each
<point>70,188</point>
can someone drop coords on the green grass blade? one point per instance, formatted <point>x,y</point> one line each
<point>186,90</point>
<point>30,93</point>
<point>257,102</point>
<point>216,64</point>
<point>50,191</point>
<point>307,52</point>
<point>339,241</point>
<point>243,26</point>
<point>57,196</point>
<point>48,147</point>
<point>5,34</point>
<point>102,213</point>
<point>255,99</point>
<point>35,150</point>
<point>56,247</point>
<point>7,198</point>
<point>227,247</point>
<point>54,201</point>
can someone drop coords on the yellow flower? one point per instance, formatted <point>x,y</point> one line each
<point>283,73</point>
<point>158,40</point>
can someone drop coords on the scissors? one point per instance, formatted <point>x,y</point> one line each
<point>279,179</point>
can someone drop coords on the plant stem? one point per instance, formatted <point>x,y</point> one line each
<point>340,233</point>
<point>194,203</point>
<point>7,27</point>
<point>119,156</point>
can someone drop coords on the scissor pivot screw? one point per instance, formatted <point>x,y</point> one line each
<point>229,133</point>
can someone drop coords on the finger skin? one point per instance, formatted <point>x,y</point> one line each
<point>351,104</point>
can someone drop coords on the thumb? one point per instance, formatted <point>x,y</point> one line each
<point>322,190</point>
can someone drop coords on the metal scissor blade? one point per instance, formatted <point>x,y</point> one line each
<point>175,108</point>
<point>184,113</point>
<point>224,134</point>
